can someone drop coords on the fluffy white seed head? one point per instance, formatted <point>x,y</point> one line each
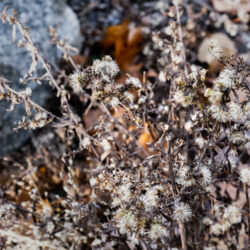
<point>188,126</point>
<point>182,212</point>
<point>200,142</point>
<point>105,67</point>
<point>226,78</point>
<point>93,181</point>
<point>114,102</point>
<point>156,231</point>
<point>76,80</point>
<point>105,144</point>
<point>126,221</point>
<point>134,81</point>
<point>150,198</point>
<point>85,142</point>
<point>162,76</point>
<point>218,113</point>
<point>180,98</point>
<point>232,214</point>
<point>214,49</point>
<point>236,113</point>
<point>206,175</point>
<point>245,176</point>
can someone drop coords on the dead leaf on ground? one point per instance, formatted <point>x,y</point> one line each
<point>231,6</point>
<point>79,59</point>
<point>124,40</point>
<point>144,139</point>
<point>92,117</point>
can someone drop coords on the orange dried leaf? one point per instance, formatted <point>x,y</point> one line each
<point>134,36</point>
<point>113,33</point>
<point>124,40</point>
<point>42,170</point>
<point>144,139</point>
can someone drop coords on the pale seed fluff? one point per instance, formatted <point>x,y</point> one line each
<point>232,214</point>
<point>129,97</point>
<point>156,231</point>
<point>188,126</point>
<point>85,142</point>
<point>77,81</point>
<point>105,67</point>
<point>214,49</point>
<point>114,102</point>
<point>182,212</point>
<point>214,95</point>
<point>206,175</point>
<point>184,177</point>
<point>226,78</point>
<point>217,210</point>
<point>28,92</point>
<point>105,144</point>
<point>124,191</point>
<point>180,98</point>
<point>218,113</point>
<point>150,198</point>
<point>203,74</point>
<point>237,137</point>
<point>233,160</point>
<point>216,229</point>
<point>207,221</point>
<point>134,81</point>
<point>134,239</point>
<point>126,221</point>
<point>200,142</point>
<point>245,176</point>
<point>236,113</point>
<point>162,76</point>
<point>225,225</point>
<point>247,110</point>
<point>96,242</point>
<point>93,181</point>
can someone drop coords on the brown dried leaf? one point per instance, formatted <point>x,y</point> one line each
<point>231,6</point>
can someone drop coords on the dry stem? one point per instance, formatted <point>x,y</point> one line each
<point>183,235</point>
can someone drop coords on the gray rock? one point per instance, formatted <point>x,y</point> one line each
<point>38,16</point>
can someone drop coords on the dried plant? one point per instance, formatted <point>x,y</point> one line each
<point>147,173</point>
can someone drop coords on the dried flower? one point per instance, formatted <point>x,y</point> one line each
<point>150,198</point>
<point>237,137</point>
<point>114,102</point>
<point>216,229</point>
<point>206,175</point>
<point>182,212</point>
<point>85,142</point>
<point>218,113</point>
<point>93,181</point>
<point>214,49</point>
<point>245,176</point>
<point>126,220</point>
<point>226,78</point>
<point>105,144</point>
<point>156,231</point>
<point>236,113</point>
<point>134,81</point>
<point>200,142</point>
<point>105,67</point>
<point>232,214</point>
<point>77,80</point>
